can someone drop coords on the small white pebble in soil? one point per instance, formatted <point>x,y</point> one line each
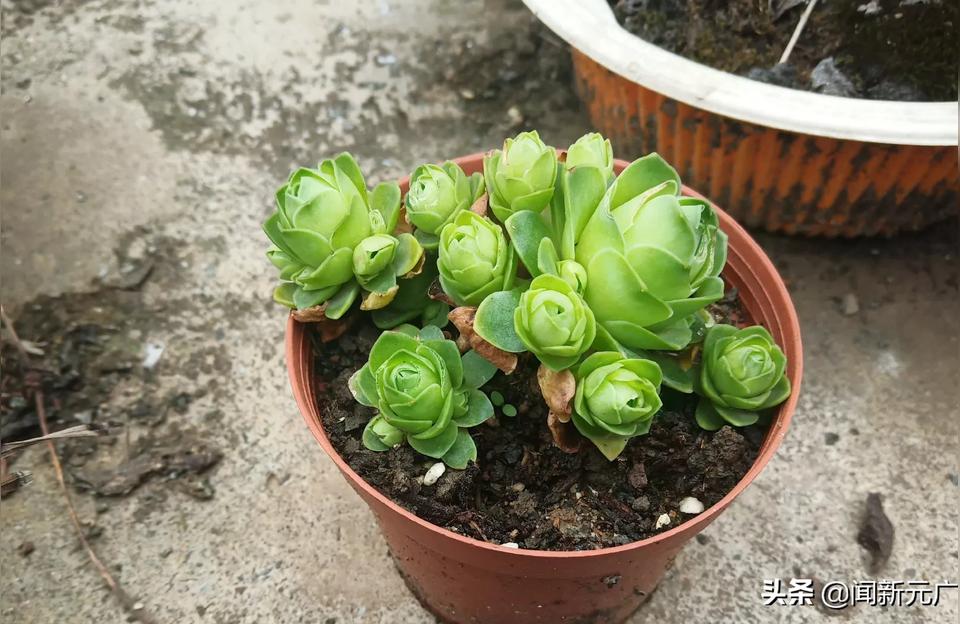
<point>662,521</point>
<point>152,352</point>
<point>851,305</point>
<point>510,545</point>
<point>436,471</point>
<point>691,505</point>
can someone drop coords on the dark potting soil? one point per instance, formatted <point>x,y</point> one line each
<point>525,490</point>
<point>875,49</point>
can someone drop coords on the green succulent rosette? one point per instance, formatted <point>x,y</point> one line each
<point>652,258</point>
<point>438,193</point>
<point>573,273</point>
<point>379,260</point>
<point>616,399</point>
<point>426,394</point>
<point>322,216</point>
<point>591,150</point>
<point>554,322</point>
<point>521,176</point>
<point>742,373</point>
<point>475,259</point>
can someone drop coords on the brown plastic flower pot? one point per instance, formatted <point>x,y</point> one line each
<point>464,580</point>
<point>780,159</point>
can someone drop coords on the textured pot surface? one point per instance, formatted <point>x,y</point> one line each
<point>772,179</point>
<point>780,159</point>
<point>463,580</point>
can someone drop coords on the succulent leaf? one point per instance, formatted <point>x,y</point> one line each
<point>479,409</point>
<point>437,446</point>
<point>527,230</point>
<point>579,194</point>
<point>676,375</point>
<point>494,321</point>
<point>463,451</point>
<point>283,294</point>
<point>379,435</point>
<point>547,259</point>
<point>477,370</point>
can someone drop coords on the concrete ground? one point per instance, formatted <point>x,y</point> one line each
<point>152,134</point>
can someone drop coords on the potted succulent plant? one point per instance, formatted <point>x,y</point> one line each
<point>549,349</point>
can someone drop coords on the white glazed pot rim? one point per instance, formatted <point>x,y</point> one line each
<point>590,27</point>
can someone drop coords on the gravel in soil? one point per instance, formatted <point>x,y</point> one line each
<point>876,49</point>
<point>525,490</point>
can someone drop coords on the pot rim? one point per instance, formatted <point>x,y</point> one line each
<point>591,28</point>
<point>792,347</point>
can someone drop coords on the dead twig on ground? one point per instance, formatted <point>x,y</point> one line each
<point>796,31</point>
<point>24,354</point>
<point>133,608</point>
<point>80,431</point>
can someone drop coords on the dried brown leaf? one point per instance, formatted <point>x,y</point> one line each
<point>375,301</point>
<point>463,318</point>
<point>313,314</point>
<point>558,388</point>
<point>565,435</point>
<point>504,360</point>
<point>403,223</point>
<point>480,206</point>
<point>436,293</point>
<point>418,269</point>
<point>329,329</point>
<point>689,357</point>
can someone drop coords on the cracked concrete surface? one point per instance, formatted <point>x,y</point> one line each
<point>162,129</point>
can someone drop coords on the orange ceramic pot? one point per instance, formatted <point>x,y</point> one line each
<point>463,580</point>
<point>780,159</point>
